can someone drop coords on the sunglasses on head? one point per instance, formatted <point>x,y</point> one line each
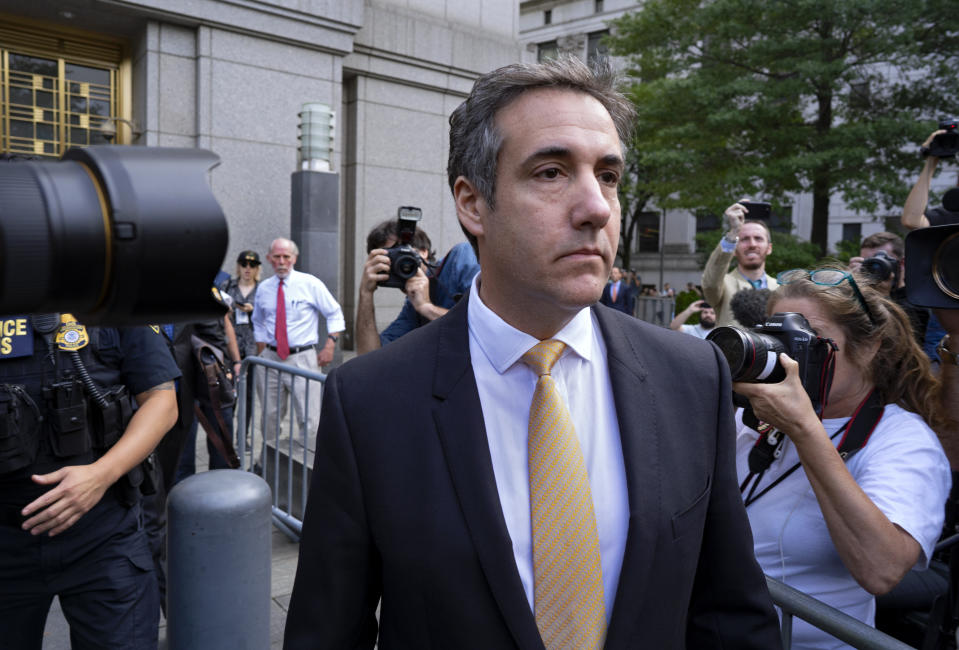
<point>828,278</point>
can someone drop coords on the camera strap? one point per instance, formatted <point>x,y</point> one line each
<point>856,433</point>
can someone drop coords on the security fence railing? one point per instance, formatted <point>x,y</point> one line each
<point>828,619</point>
<point>278,409</point>
<point>655,310</point>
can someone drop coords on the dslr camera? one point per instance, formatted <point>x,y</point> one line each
<point>404,259</point>
<point>944,145</point>
<point>753,355</point>
<point>881,266</point>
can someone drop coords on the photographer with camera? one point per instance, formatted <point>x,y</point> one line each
<point>942,143</point>
<point>749,241</point>
<point>429,293</point>
<point>882,261</point>
<point>845,485</point>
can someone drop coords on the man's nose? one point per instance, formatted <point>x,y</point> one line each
<point>591,205</point>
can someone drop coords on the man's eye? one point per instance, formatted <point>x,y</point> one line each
<point>610,178</point>
<point>551,172</point>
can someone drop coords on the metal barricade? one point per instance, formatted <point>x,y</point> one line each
<point>826,618</point>
<point>655,310</point>
<point>278,413</point>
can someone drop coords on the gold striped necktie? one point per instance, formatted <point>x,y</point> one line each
<point>567,572</point>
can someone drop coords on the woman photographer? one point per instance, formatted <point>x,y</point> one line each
<point>242,289</point>
<point>841,530</point>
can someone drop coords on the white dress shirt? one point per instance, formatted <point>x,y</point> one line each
<point>506,385</point>
<point>305,297</point>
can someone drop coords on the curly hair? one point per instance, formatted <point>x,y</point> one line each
<point>900,371</point>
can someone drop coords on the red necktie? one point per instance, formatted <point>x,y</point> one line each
<point>615,291</point>
<point>282,343</point>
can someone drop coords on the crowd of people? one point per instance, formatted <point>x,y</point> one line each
<point>518,480</point>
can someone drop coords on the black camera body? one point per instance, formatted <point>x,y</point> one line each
<point>945,145</point>
<point>405,260</point>
<point>753,355</point>
<point>880,266</point>
<point>932,267</point>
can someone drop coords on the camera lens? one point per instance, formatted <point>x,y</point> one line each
<point>752,356</point>
<point>87,234</point>
<point>877,268</point>
<point>406,265</point>
<point>945,266</point>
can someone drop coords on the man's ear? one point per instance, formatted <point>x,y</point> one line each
<point>470,206</point>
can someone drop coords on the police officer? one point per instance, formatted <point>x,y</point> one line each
<point>71,459</point>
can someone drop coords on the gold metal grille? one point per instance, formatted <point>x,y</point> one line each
<point>53,100</point>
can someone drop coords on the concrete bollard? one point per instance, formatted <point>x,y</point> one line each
<point>218,562</point>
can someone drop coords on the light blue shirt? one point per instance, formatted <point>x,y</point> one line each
<point>505,385</point>
<point>305,297</point>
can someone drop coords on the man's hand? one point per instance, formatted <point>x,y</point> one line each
<point>928,142</point>
<point>418,290</point>
<point>855,263</point>
<point>733,219</point>
<point>677,322</point>
<point>376,270</point>
<point>78,488</point>
<point>325,356</point>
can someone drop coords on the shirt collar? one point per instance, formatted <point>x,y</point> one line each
<point>503,344</point>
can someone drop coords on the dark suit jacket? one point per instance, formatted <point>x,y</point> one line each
<point>403,505</point>
<point>625,299</point>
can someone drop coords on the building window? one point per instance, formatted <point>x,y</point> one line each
<point>648,228</point>
<point>546,51</point>
<point>596,49</point>
<point>598,6</point>
<point>852,232</point>
<point>548,17</point>
<point>53,100</point>
<point>706,221</point>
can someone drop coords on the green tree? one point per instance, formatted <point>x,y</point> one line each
<point>769,97</point>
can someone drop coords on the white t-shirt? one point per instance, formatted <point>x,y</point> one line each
<point>902,468</point>
<point>697,330</point>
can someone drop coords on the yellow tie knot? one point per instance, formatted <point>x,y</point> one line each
<point>541,357</point>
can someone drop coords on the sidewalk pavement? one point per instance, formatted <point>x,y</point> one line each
<point>56,635</point>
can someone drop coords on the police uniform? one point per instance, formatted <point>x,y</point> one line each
<point>65,398</point>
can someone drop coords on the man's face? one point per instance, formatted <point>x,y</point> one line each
<point>707,317</point>
<point>548,246</point>
<point>885,287</point>
<point>753,246</point>
<point>282,259</point>
<point>615,275</point>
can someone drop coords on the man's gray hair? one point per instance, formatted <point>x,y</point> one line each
<point>474,140</point>
<point>288,242</point>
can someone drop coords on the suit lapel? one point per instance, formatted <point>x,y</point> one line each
<point>459,422</point>
<point>639,427</point>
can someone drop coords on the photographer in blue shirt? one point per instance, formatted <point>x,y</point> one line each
<point>429,293</point>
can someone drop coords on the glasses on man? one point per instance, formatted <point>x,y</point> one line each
<point>827,278</point>
<point>249,264</point>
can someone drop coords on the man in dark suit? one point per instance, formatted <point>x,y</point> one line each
<point>618,294</point>
<point>531,470</point>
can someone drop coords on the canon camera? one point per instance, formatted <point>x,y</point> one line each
<point>753,355</point>
<point>404,259</point>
